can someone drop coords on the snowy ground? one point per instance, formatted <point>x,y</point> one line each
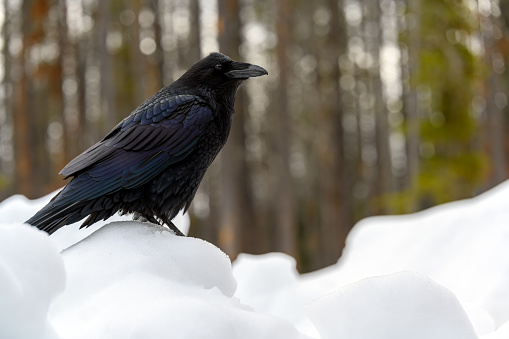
<point>441,273</point>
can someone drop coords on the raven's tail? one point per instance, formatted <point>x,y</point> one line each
<point>58,213</point>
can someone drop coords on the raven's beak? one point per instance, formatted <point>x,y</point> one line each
<point>241,70</point>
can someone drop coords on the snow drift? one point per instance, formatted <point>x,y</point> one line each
<point>461,246</point>
<point>127,280</point>
<point>441,273</point>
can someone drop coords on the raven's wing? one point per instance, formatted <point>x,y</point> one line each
<point>172,125</point>
<point>138,149</point>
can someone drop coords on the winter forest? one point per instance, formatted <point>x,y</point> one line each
<point>370,107</point>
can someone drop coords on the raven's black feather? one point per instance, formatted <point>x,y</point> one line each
<point>152,162</point>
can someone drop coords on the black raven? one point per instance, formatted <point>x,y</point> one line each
<point>153,161</point>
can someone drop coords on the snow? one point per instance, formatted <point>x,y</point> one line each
<point>31,275</point>
<point>382,302</point>
<point>461,246</point>
<point>440,273</point>
<point>157,283</point>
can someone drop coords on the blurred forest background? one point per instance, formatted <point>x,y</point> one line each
<point>370,107</point>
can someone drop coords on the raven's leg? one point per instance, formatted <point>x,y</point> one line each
<point>148,218</point>
<point>172,226</point>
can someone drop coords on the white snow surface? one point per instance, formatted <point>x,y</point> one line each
<point>381,302</point>
<point>440,273</point>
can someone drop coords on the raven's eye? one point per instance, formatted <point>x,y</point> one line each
<point>218,67</point>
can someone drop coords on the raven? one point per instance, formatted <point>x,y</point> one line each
<point>153,161</point>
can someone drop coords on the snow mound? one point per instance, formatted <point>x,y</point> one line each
<point>126,280</point>
<point>440,273</point>
<point>270,283</point>
<point>391,306</point>
<point>31,275</point>
<point>263,278</point>
<point>460,245</point>
<point>139,280</point>
<point>16,208</point>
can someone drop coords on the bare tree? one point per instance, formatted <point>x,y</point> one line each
<point>235,210</point>
<point>283,205</point>
<point>412,101</point>
<point>495,120</point>
<point>384,171</point>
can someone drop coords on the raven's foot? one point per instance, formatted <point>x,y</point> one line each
<point>175,229</point>
<point>172,226</point>
<point>163,221</point>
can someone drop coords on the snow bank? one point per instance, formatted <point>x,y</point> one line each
<point>391,306</point>
<point>132,279</point>
<point>31,275</point>
<point>461,246</point>
<point>441,273</point>
<point>126,280</point>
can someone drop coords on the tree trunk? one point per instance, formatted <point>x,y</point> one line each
<point>412,104</point>
<point>495,120</point>
<point>6,115</point>
<point>334,222</point>
<point>105,64</point>
<point>384,171</point>
<point>155,60</point>
<point>63,46</point>
<point>194,32</point>
<point>137,62</point>
<point>23,142</point>
<point>283,205</point>
<point>235,212</point>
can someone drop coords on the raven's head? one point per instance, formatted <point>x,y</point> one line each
<point>220,73</point>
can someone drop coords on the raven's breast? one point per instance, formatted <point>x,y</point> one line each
<point>174,189</point>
